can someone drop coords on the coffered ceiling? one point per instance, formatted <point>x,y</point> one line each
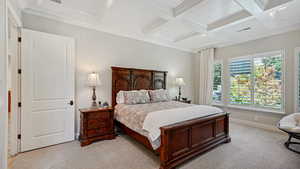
<point>183,24</point>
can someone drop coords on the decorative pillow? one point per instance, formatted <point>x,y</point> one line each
<point>160,95</point>
<point>120,97</point>
<point>136,97</point>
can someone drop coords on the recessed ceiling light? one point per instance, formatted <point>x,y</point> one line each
<point>272,13</point>
<point>244,29</point>
<point>203,34</point>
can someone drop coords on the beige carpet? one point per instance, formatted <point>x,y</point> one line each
<point>250,148</point>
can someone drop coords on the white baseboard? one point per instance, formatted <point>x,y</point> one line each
<point>257,125</point>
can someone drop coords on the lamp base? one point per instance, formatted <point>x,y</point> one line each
<point>179,93</point>
<point>94,105</point>
<point>94,98</point>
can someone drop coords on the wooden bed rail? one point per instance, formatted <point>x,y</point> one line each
<point>182,141</point>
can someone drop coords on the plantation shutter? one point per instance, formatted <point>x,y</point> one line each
<point>268,81</point>
<point>240,79</point>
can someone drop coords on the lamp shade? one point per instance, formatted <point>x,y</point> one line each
<point>179,81</point>
<point>93,80</point>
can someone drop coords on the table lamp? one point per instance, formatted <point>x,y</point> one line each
<point>93,81</point>
<point>179,81</point>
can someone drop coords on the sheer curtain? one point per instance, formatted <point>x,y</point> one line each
<point>206,58</point>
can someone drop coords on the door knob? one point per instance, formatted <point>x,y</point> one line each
<point>71,103</point>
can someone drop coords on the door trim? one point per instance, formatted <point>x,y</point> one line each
<point>15,127</point>
<point>3,85</point>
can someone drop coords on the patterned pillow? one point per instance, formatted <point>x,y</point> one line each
<point>136,97</point>
<point>160,95</point>
<point>120,97</point>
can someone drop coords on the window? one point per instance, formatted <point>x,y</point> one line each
<point>257,81</point>
<point>268,82</point>
<point>217,84</point>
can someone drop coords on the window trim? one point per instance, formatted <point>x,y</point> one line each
<point>256,109</point>
<point>219,103</point>
<point>297,81</point>
<point>252,106</point>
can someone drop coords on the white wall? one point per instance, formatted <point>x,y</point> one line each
<point>287,42</point>
<point>3,85</point>
<point>98,51</point>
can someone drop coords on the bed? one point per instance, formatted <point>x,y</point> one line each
<point>178,141</point>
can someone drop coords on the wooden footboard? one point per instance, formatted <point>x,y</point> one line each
<point>182,141</point>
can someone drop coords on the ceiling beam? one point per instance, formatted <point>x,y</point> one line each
<point>186,36</point>
<point>251,9</point>
<point>177,11</point>
<point>185,6</point>
<point>154,26</point>
<point>235,18</point>
<point>275,3</point>
<point>254,7</point>
<point>194,25</point>
<point>198,29</point>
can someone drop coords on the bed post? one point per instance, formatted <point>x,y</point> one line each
<point>163,149</point>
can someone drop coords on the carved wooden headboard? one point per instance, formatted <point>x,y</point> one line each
<point>136,79</point>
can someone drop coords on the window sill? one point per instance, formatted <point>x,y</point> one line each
<point>254,109</point>
<point>218,104</point>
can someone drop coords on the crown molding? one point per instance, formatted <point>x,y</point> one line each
<point>185,6</point>
<point>97,27</point>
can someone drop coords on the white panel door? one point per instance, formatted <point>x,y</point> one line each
<point>47,90</point>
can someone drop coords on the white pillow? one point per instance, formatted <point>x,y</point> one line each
<point>160,95</point>
<point>136,97</point>
<point>120,97</point>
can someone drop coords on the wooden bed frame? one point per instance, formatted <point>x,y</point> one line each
<point>180,141</point>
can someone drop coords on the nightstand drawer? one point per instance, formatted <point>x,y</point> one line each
<point>99,115</point>
<point>97,123</point>
<point>98,132</point>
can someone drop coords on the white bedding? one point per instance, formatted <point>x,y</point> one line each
<point>157,119</point>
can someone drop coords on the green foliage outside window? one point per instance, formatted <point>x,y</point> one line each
<point>241,89</point>
<point>266,84</point>
<point>217,86</point>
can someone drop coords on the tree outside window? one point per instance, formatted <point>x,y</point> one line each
<point>217,86</point>
<point>257,81</point>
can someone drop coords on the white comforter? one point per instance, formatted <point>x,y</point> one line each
<point>157,119</point>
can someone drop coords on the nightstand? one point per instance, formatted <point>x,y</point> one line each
<point>184,101</point>
<point>96,124</point>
